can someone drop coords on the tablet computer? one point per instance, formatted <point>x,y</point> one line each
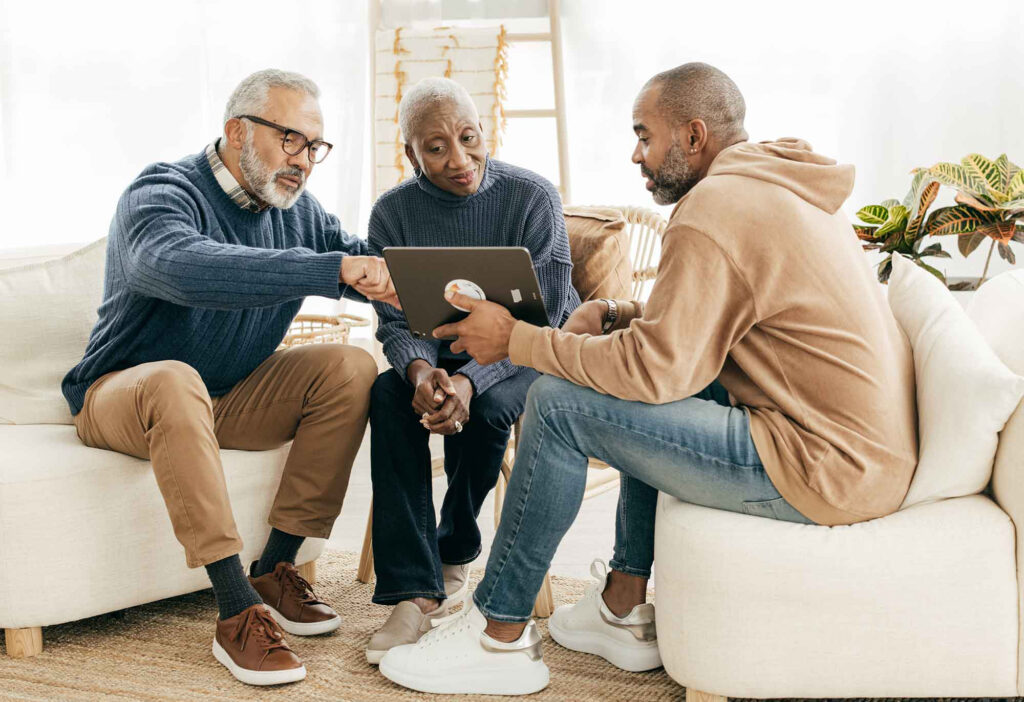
<point>501,274</point>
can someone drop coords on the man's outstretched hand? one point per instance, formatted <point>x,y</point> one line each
<point>484,334</point>
<point>370,277</point>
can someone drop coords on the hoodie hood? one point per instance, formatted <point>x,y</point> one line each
<point>793,165</point>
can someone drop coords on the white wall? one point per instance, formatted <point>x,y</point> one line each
<point>92,92</point>
<point>886,86</point>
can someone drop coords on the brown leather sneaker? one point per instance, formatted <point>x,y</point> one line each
<point>292,602</point>
<point>252,647</point>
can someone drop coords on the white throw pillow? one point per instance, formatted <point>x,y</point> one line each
<point>965,393</point>
<point>47,311</point>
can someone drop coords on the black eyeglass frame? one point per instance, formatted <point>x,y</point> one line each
<point>307,144</point>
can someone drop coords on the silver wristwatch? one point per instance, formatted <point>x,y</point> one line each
<point>611,317</point>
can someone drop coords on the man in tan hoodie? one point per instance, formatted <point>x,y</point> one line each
<point>765,375</point>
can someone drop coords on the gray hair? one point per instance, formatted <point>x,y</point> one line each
<point>699,91</point>
<point>250,97</point>
<point>427,94</point>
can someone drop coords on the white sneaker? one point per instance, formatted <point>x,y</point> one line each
<point>457,657</point>
<point>629,642</point>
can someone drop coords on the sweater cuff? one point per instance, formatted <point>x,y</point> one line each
<point>520,344</point>
<point>325,274</point>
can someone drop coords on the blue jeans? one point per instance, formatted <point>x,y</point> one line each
<point>408,545</point>
<point>698,449</point>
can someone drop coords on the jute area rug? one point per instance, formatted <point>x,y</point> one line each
<point>161,651</point>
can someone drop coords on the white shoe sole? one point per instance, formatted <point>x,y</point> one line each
<point>257,677</point>
<point>519,680</point>
<point>635,659</point>
<point>304,628</point>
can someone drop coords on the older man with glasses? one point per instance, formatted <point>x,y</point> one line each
<point>208,261</point>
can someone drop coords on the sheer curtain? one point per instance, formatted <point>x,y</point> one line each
<point>884,85</point>
<point>90,93</point>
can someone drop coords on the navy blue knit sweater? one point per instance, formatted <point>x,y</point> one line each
<point>512,207</point>
<point>193,277</point>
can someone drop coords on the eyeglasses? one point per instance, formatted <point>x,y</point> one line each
<point>294,142</point>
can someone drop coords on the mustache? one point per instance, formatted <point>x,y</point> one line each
<point>292,173</point>
<point>647,172</point>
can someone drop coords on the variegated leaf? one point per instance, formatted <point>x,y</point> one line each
<point>873,214</point>
<point>885,269</point>
<point>1016,187</point>
<point>970,200</point>
<point>889,204</point>
<point>1000,231</point>
<point>864,233</point>
<point>953,220</point>
<point>958,177</point>
<point>1013,206</point>
<point>897,221</point>
<point>1007,253</point>
<point>934,250</point>
<point>1007,169</point>
<point>969,242</point>
<point>986,171</point>
<point>917,214</point>
<point>933,271</point>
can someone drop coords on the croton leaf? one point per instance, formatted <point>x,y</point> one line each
<point>873,214</point>
<point>1013,205</point>
<point>1000,231</point>
<point>885,269</point>
<point>934,250</point>
<point>864,232</point>
<point>897,221</point>
<point>960,178</point>
<point>933,271</point>
<point>1007,253</point>
<point>916,215</point>
<point>1016,187</point>
<point>960,219</point>
<point>1007,169</point>
<point>890,203</point>
<point>983,169</point>
<point>969,242</point>
<point>970,200</point>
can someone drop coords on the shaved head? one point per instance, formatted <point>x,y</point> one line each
<point>699,91</point>
<point>427,96</point>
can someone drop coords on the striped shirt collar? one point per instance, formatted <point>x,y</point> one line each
<point>227,182</point>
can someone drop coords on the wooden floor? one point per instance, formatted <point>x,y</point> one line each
<point>592,536</point>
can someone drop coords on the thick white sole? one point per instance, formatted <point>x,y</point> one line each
<point>257,677</point>
<point>304,628</point>
<point>635,659</point>
<point>519,680</point>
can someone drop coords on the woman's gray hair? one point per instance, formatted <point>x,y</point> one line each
<point>427,94</point>
<point>250,97</point>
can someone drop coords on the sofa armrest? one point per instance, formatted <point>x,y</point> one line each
<point>1008,491</point>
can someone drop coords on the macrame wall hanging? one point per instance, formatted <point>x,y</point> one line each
<point>476,57</point>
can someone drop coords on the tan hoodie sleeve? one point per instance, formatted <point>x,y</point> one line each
<point>700,306</point>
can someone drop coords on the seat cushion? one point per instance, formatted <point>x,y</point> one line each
<point>47,310</point>
<point>84,531</point>
<point>599,244</point>
<point>965,393</point>
<point>922,603</point>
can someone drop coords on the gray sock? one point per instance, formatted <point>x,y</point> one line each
<point>232,589</point>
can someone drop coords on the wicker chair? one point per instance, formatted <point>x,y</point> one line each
<point>644,229</point>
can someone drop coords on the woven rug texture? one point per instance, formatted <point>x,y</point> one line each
<point>161,651</point>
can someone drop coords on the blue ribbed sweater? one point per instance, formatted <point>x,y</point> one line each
<point>512,207</point>
<point>193,277</point>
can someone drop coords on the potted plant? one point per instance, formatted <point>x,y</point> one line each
<point>895,228</point>
<point>990,197</point>
<point>990,204</point>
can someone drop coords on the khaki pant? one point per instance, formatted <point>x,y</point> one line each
<point>317,395</point>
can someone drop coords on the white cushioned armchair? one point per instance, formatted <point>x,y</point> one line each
<point>85,531</point>
<point>922,603</point>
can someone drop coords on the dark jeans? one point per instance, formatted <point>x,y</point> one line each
<point>408,546</point>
